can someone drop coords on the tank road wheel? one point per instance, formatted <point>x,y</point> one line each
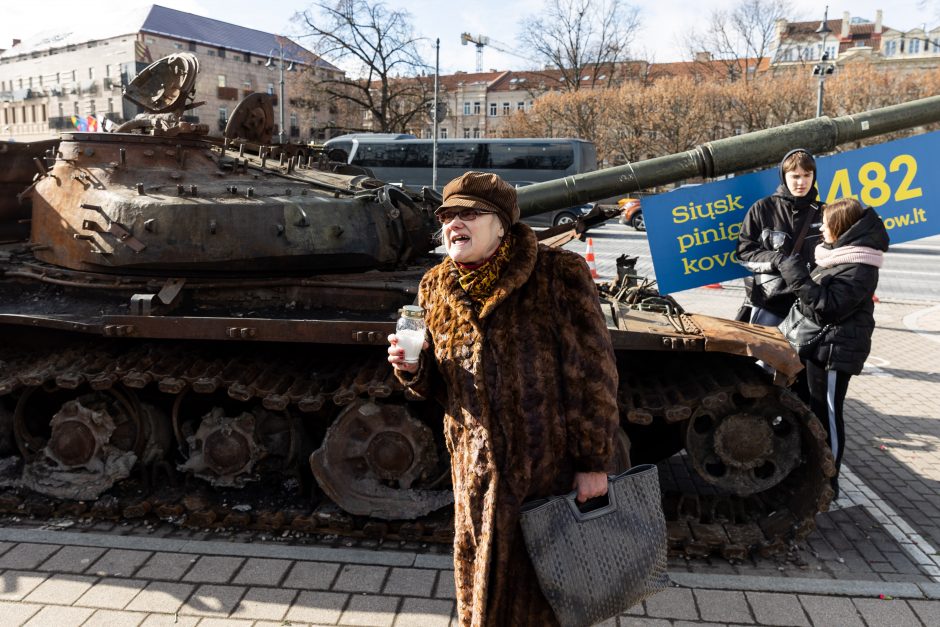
<point>769,450</point>
<point>229,447</point>
<point>372,458</point>
<point>92,440</point>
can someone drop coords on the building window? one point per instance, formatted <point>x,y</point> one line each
<point>92,109</point>
<point>476,133</point>
<point>246,84</point>
<point>91,73</point>
<point>77,111</point>
<point>476,108</point>
<point>520,106</point>
<point>466,108</point>
<point>221,53</point>
<point>61,111</point>
<point>221,80</point>
<point>151,40</point>
<point>223,114</point>
<point>236,57</point>
<point>107,71</point>
<point>192,46</point>
<point>210,52</point>
<point>270,89</point>
<point>443,132</point>
<point>32,113</point>
<point>492,108</point>
<point>891,48</point>
<point>42,110</point>
<point>831,52</point>
<point>110,105</point>
<point>505,108</point>
<point>914,48</point>
<point>177,45</point>
<point>466,133</point>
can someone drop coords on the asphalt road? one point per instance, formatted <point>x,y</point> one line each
<point>911,271</point>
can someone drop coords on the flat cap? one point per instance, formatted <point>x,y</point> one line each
<point>482,190</point>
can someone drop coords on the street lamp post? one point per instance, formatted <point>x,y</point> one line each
<point>823,67</point>
<point>281,135</point>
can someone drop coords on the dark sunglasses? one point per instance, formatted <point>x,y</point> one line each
<point>465,215</point>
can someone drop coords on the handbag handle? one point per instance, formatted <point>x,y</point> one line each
<point>580,516</point>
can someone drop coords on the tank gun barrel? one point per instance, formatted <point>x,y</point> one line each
<point>725,156</point>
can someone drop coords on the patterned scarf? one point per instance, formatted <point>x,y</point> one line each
<point>479,280</point>
<point>828,257</point>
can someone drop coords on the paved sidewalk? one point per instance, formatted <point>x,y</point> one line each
<point>872,562</point>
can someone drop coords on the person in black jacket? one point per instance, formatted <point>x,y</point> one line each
<point>770,231</point>
<point>839,293</point>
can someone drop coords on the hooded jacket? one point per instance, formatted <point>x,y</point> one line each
<point>841,296</point>
<point>769,231</point>
<point>529,384</point>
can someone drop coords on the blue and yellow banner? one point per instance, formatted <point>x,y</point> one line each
<point>693,231</point>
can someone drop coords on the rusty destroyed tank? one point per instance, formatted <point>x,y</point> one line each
<point>195,329</point>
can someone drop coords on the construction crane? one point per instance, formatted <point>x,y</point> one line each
<point>481,40</point>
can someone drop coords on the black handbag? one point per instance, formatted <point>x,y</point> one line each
<point>596,564</point>
<point>802,332</point>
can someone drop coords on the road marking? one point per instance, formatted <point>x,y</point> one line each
<point>853,491</point>
<point>912,322</point>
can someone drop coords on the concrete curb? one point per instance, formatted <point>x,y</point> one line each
<point>827,587</point>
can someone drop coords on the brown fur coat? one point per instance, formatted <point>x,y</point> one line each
<point>530,384</point>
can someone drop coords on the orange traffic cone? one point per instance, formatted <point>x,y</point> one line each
<point>589,257</point>
<point>714,286</point>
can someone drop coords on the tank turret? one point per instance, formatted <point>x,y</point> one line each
<point>196,329</point>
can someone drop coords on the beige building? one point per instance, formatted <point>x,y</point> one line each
<point>856,40</point>
<point>72,80</point>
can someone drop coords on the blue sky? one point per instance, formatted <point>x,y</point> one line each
<point>665,22</point>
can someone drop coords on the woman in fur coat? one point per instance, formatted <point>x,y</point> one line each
<point>839,293</point>
<point>519,354</point>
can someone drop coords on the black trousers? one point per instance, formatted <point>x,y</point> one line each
<point>825,394</point>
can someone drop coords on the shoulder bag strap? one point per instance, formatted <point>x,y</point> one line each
<point>798,244</point>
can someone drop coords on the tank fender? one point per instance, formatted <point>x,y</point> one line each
<point>751,340</point>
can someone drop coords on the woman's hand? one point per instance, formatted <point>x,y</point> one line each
<point>589,485</point>
<point>396,355</point>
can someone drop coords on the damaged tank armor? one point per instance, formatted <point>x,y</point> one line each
<point>192,324</point>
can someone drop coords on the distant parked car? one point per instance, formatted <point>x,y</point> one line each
<point>558,216</point>
<point>632,213</point>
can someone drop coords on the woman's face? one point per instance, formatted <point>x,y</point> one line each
<point>826,233</point>
<point>799,181</point>
<point>472,241</point>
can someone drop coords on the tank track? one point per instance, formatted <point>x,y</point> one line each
<point>701,521</point>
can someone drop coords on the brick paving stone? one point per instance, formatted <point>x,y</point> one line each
<point>676,603</point>
<point>6,546</point>
<point>610,622</point>
<point>425,613</point>
<point>169,620</point>
<point>317,607</point>
<point>72,559</point>
<point>311,575</point>
<point>895,613</point>
<point>357,578</point>
<point>161,596</point>
<point>60,589</point>
<point>213,600</point>
<point>445,585</point>
<point>213,569</point>
<point>16,584</point>
<point>168,566</point>
<point>370,610</point>
<point>830,611</point>
<point>113,618</point>
<point>776,609</point>
<point>416,582</point>
<point>262,572</point>
<point>118,563</point>
<point>225,622</point>
<point>264,603</point>
<point>60,616</point>
<point>111,593</point>
<point>27,556</point>
<point>17,613</point>
<point>723,606</point>
<point>927,611</point>
<point>636,621</point>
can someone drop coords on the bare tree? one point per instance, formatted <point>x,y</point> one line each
<point>581,38</point>
<point>741,38</point>
<point>378,47</point>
